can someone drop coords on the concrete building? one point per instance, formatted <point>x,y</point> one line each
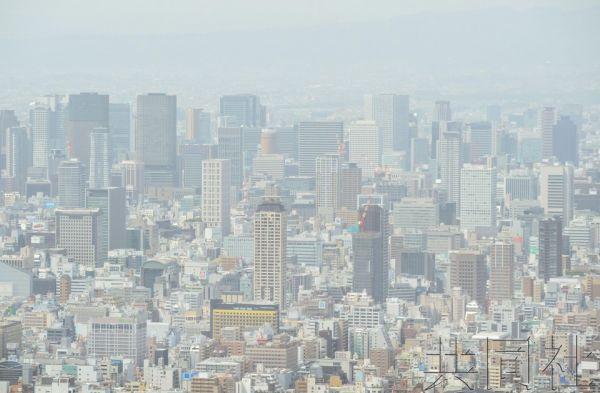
<point>365,146</point>
<point>270,241</point>
<point>79,232</point>
<point>156,138</point>
<point>216,187</point>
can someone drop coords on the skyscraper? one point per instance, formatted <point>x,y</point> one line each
<point>374,219</point>
<point>391,114</point>
<point>242,110</point>
<point>327,185</point>
<point>156,138</point>
<point>546,126</point>
<point>113,215</point>
<point>316,139</point>
<point>17,157</point>
<point>550,248</point>
<point>79,232</point>
<point>556,191</point>
<point>442,111</point>
<point>8,119</point>
<point>566,141</point>
<point>478,198</point>
<point>86,111</point>
<point>480,141</point>
<point>231,148</point>
<point>100,158</point>
<point>119,116</point>
<point>197,127</point>
<point>502,256</point>
<point>270,242</point>
<point>367,249</point>
<point>71,184</point>
<point>468,272</point>
<point>40,119</point>
<point>191,156</point>
<point>449,162</point>
<point>216,187</point>
<point>365,146</point>
<point>350,183</point>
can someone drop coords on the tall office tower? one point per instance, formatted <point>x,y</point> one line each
<point>268,141</point>
<point>367,248</point>
<point>17,156</point>
<point>119,118</point>
<point>231,148</point>
<point>374,219</point>
<point>86,111</point>
<point>480,141</point>
<point>419,152</point>
<point>502,258</point>
<point>556,191</point>
<point>191,155</point>
<point>391,114</point>
<point>566,141</point>
<point>197,125</point>
<point>7,119</point>
<point>79,232</point>
<point>327,185</point>
<point>40,120</point>
<point>113,214</point>
<point>546,126</point>
<point>365,146</point>
<point>287,141</point>
<point>58,111</point>
<point>156,138</point>
<point>550,248</point>
<point>449,162</point>
<point>442,111</point>
<point>350,183</point>
<point>100,158</point>
<point>132,175</point>
<point>216,188</point>
<point>316,139</point>
<point>242,110</point>
<point>270,228</point>
<point>117,337</point>
<point>468,272</point>
<point>71,184</point>
<point>478,198</point>
<point>520,185</point>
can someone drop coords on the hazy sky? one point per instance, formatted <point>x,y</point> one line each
<point>57,17</point>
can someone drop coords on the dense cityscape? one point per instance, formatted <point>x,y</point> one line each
<point>376,240</point>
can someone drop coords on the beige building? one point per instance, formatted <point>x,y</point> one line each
<point>270,240</point>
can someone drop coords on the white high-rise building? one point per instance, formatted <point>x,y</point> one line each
<point>270,228</point>
<point>117,337</point>
<point>556,191</point>
<point>449,161</point>
<point>327,185</point>
<point>79,232</point>
<point>391,113</point>
<point>100,158</point>
<point>216,187</point>
<point>40,119</point>
<point>364,139</point>
<point>316,139</point>
<point>546,125</point>
<point>478,198</point>
<point>71,184</point>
